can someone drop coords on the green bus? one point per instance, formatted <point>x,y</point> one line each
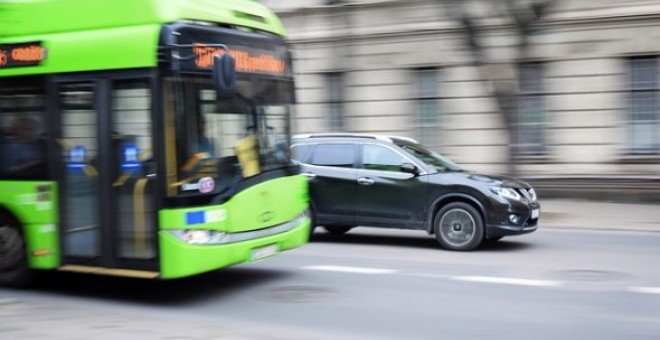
<point>145,138</point>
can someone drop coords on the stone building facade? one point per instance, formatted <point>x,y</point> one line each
<point>588,99</point>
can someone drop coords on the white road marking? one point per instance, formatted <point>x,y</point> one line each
<point>357,270</point>
<point>508,281</point>
<point>480,279</point>
<point>645,290</point>
<point>431,276</point>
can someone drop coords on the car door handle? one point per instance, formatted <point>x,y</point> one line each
<point>309,175</point>
<point>365,181</point>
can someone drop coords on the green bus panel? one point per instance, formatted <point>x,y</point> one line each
<point>282,199</point>
<point>34,204</point>
<point>37,17</point>
<point>90,35</point>
<point>180,260</point>
<point>267,204</point>
<point>103,49</point>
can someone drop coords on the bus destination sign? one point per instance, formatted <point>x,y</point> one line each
<point>22,54</point>
<point>248,61</point>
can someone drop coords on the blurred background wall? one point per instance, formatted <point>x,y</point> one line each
<point>565,96</point>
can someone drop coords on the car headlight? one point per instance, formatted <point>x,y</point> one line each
<point>532,195</point>
<point>506,193</point>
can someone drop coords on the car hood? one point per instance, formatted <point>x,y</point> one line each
<point>486,179</point>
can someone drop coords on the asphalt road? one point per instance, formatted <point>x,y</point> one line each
<point>372,284</point>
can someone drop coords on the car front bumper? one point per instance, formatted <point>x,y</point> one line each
<point>500,221</point>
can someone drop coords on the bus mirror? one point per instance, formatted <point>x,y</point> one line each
<point>224,76</point>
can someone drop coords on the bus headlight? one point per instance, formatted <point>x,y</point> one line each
<point>198,236</point>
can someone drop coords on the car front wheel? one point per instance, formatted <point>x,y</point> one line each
<point>458,226</point>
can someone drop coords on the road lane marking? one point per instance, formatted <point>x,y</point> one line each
<point>431,276</point>
<point>644,290</point>
<point>508,281</point>
<point>357,270</point>
<point>479,279</point>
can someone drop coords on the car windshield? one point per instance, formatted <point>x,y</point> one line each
<point>431,158</point>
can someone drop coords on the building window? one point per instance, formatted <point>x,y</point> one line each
<point>643,117</point>
<point>335,101</point>
<point>427,127</point>
<point>531,110</point>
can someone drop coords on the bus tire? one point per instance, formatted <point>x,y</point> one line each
<point>14,269</point>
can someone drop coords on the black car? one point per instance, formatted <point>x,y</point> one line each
<point>395,182</point>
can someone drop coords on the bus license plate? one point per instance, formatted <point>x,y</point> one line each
<point>263,252</point>
<point>535,213</point>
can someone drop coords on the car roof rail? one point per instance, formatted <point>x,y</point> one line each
<point>342,134</point>
<point>356,135</point>
<point>407,139</point>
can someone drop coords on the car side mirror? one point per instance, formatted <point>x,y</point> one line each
<point>409,169</point>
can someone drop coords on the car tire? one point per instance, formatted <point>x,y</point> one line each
<point>338,229</point>
<point>458,226</point>
<point>312,217</point>
<point>14,269</point>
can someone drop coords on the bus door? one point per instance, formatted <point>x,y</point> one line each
<point>107,172</point>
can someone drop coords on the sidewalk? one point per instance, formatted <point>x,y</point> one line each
<point>28,318</point>
<point>573,214</point>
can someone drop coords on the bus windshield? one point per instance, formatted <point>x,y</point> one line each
<point>221,142</point>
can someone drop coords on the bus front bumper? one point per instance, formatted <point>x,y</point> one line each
<point>179,259</point>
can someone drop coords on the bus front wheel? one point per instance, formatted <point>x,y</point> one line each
<point>14,270</point>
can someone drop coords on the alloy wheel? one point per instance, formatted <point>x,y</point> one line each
<point>457,227</point>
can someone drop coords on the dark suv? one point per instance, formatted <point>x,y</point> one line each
<point>395,182</point>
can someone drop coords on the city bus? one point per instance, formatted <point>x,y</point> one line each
<point>145,138</point>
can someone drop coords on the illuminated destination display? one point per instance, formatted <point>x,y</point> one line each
<point>22,54</point>
<point>263,62</point>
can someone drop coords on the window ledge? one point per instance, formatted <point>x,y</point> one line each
<point>533,159</point>
<point>639,159</point>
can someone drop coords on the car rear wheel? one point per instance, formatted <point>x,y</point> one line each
<point>338,230</point>
<point>14,270</point>
<point>312,217</point>
<point>458,226</point>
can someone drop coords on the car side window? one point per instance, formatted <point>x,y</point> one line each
<point>376,157</point>
<point>300,152</point>
<point>340,155</point>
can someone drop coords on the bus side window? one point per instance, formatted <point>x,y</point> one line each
<point>132,141</point>
<point>2,153</point>
<point>24,153</point>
